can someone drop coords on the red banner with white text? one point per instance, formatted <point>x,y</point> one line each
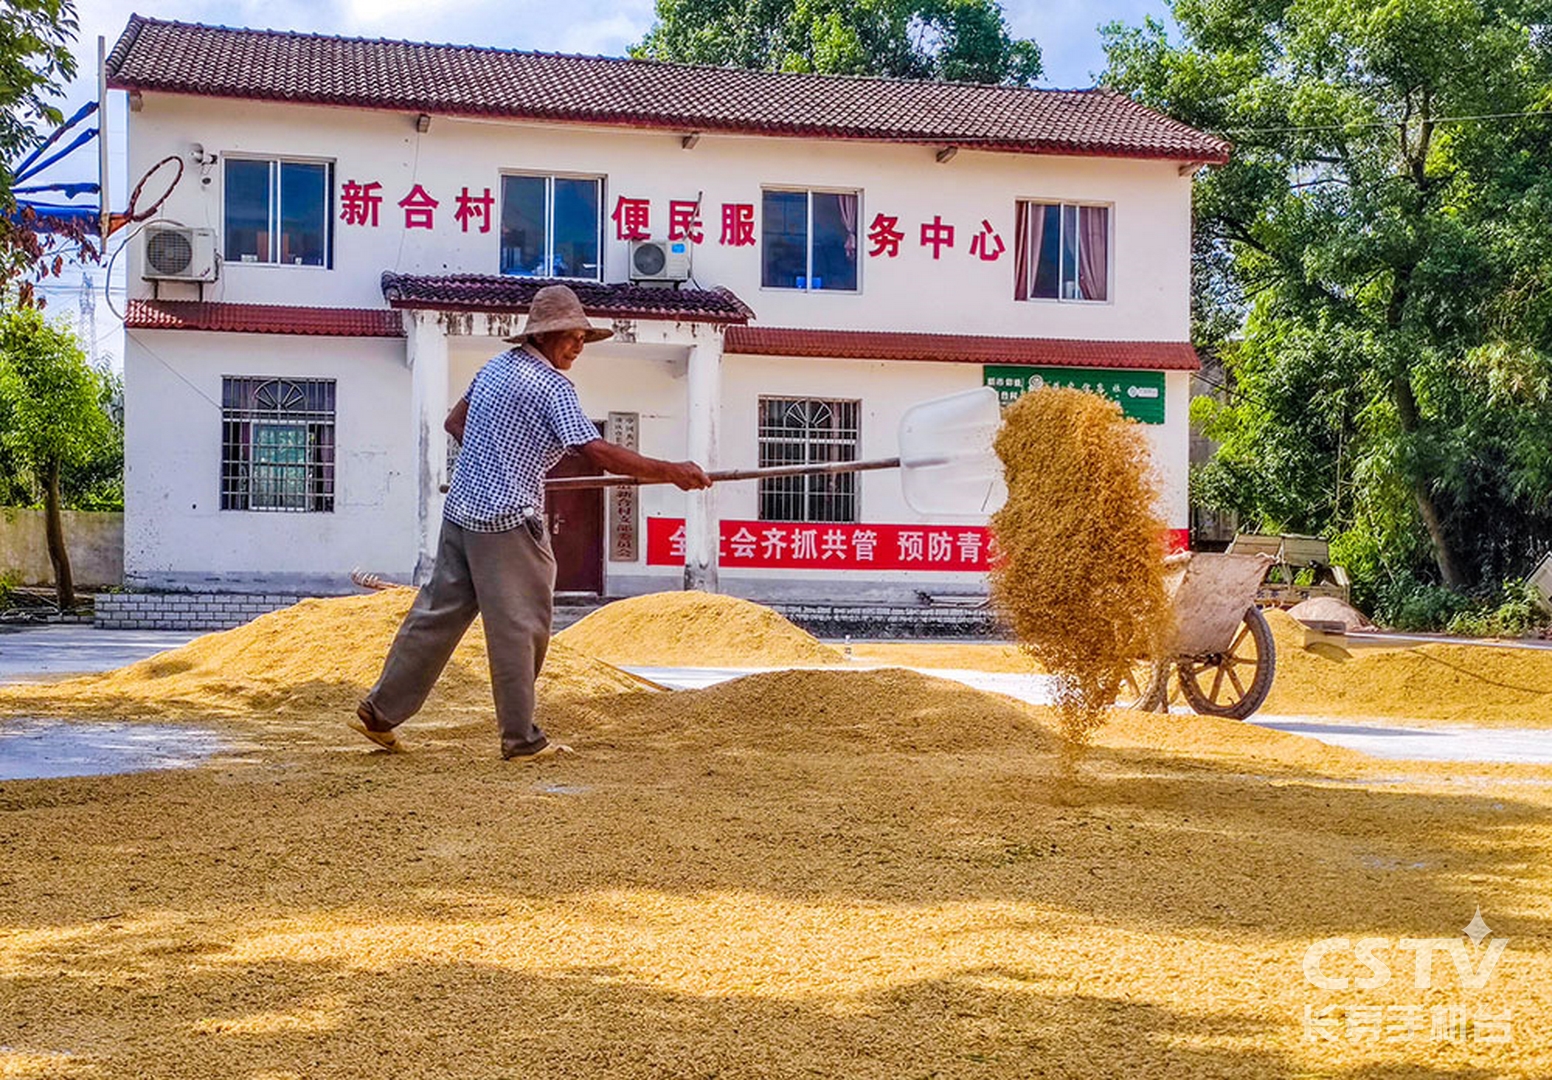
<point>783,545</point>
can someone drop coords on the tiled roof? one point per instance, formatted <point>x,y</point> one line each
<point>960,348</point>
<point>263,319</point>
<point>271,65</point>
<point>489,292</point>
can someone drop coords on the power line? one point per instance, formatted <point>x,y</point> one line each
<point>1544,113</point>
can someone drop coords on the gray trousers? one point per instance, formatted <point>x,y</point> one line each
<point>508,578</point>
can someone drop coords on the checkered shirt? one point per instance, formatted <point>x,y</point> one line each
<point>523,416</point>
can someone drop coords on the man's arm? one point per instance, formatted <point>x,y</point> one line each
<point>608,457</point>
<point>456,419</point>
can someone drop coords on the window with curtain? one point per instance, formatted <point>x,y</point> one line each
<point>277,444</point>
<point>277,211</point>
<point>809,240</point>
<point>1061,252</point>
<point>801,431</point>
<point>552,226</point>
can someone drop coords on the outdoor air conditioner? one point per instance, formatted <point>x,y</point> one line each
<point>659,260</point>
<point>177,253</point>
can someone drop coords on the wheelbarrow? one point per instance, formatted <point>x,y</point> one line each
<point>1220,649</point>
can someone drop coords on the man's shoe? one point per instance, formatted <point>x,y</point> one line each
<point>366,723</point>
<point>548,750</point>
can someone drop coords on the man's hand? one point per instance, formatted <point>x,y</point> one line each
<point>687,476</point>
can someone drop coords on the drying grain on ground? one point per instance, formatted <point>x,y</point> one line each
<point>988,656</point>
<point>316,656</point>
<point>1080,574</point>
<point>1437,681</point>
<point>824,872</point>
<point>694,629</point>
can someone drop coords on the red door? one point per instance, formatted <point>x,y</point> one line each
<point>576,520</point>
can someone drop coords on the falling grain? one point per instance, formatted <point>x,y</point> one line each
<point>1079,575</point>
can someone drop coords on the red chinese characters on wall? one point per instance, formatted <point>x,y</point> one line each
<point>684,221</point>
<point>780,545</point>
<point>986,244</point>
<point>737,225</point>
<point>360,205</point>
<point>632,218</point>
<point>885,236</point>
<point>474,206</point>
<point>419,208</point>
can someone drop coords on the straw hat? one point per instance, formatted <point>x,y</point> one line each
<point>556,307</point>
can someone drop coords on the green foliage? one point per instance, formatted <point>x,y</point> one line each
<point>1413,606</point>
<point>952,40</point>
<point>35,58</point>
<point>55,407</point>
<point>1514,613</point>
<point>1376,273</point>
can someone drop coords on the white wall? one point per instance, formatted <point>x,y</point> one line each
<point>176,535</point>
<point>958,293</point>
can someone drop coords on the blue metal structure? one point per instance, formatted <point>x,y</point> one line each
<point>34,163</point>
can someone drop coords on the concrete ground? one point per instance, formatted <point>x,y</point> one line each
<point>33,653</point>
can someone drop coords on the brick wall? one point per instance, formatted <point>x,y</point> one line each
<point>184,611</point>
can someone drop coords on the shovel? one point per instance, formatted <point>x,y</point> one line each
<point>948,468</point>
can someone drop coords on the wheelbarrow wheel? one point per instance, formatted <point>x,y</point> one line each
<point>1234,683</point>
<point>1143,687</point>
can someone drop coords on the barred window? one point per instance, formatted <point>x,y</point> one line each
<point>277,444</point>
<point>796,431</point>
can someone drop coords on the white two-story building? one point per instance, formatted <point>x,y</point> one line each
<point>360,223</point>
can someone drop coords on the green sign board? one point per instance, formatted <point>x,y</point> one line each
<point>1140,393</point>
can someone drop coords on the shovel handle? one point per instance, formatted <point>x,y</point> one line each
<point>824,468</point>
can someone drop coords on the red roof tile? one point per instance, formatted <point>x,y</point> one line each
<point>464,80</point>
<point>489,292</point>
<point>960,348</point>
<point>263,319</point>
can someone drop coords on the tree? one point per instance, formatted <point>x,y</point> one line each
<point>951,40</point>
<point>51,418</point>
<point>1378,245</point>
<point>35,59</point>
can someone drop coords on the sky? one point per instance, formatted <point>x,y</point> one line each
<point>1067,31</point>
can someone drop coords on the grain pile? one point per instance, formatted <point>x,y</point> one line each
<point>1465,684</point>
<point>694,629</point>
<point>1080,576</point>
<point>821,708</point>
<point>318,655</point>
<point>790,875</point>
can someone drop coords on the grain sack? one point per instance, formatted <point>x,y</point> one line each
<point>1079,570</point>
<point>694,629</point>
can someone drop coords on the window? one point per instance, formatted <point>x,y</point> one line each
<point>279,212</point>
<point>799,431</point>
<point>552,226</point>
<point>277,444</point>
<point>809,240</point>
<point>1062,252</point>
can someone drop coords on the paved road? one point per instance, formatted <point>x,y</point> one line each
<point>45,652</point>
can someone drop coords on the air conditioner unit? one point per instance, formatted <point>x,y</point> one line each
<point>659,260</point>
<point>177,253</point>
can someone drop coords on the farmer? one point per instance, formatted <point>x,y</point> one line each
<point>518,418</point>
